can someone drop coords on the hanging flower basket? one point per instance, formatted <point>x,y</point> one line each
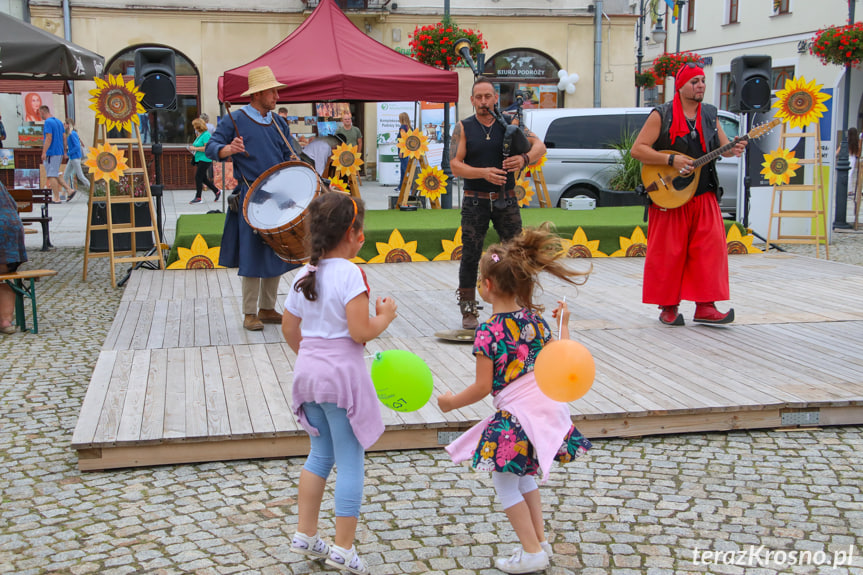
<point>840,45</point>
<point>645,79</point>
<point>433,44</point>
<point>668,64</point>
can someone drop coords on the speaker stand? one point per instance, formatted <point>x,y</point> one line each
<point>156,192</point>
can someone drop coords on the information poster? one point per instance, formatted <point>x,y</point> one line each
<point>432,120</point>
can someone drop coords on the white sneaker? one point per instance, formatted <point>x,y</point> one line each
<point>312,546</point>
<point>546,546</point>
<point>347,560</point>
<point>522,562</point>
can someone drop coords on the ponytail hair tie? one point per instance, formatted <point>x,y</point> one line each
<point>495,258</point>
<point>312,269</point>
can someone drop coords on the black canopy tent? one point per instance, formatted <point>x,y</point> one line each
<point>30,53</point>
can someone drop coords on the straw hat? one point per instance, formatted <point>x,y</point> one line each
<point>261,79</point>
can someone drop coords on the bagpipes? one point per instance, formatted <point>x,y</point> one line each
<point>514,138</point>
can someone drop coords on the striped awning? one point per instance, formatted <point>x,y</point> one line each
<point>21,86</point>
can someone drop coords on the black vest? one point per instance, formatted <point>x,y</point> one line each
<point>482,153</point>
<point>709,180</point>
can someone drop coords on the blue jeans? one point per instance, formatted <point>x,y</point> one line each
<point>403,163</point>
<point>336,444</point>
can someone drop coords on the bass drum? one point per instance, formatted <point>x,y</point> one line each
<point>276,207</point>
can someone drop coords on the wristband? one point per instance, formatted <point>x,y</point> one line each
<point>671,159</point>
<point>526,159</point>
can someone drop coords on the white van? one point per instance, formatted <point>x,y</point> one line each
<point>581,157</point>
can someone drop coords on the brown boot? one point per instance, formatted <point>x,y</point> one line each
<point>269,316</point>
<point>252,323</point>
<point>469,307</point>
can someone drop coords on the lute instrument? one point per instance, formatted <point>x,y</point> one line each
<point>668,188</point>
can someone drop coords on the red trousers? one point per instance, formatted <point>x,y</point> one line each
<point>687,256</point>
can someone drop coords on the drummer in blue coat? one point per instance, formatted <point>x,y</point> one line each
<point>258,143</point>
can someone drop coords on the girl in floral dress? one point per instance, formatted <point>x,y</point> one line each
<point>528,431</point>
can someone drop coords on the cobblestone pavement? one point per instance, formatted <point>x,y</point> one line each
<point>642,505</point>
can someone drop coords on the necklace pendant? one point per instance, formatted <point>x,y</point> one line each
<point>488,136</point>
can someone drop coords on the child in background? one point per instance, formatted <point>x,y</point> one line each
<point>326,322</point>
<point>528,431</point>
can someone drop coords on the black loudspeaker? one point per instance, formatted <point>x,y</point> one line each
<point>751,82</point>
<point>154,75</point>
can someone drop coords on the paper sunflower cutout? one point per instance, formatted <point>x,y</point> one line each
<point>740,244</point>
<point>337,185</point>
<point>800,103</point>
<point>539,163</point>
<point>523,192</point>
<point>634,246</point>
<point>451,248</point>
<point>346,159</point>
<point>397,251</point>
<point>413,144</point>
<point>116,103</point>
<point>199,257</point>
<point>106,162</point>
<point>780,166</point>
<point>431,182</point>
<point>580,247</point>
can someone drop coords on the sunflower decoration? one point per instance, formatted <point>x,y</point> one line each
<point>740,244</point>
<point>634,246</point>
<point>396,250</point>
<point>780,166</point>
<point>800,103</point>
<point>199,257</point>
<point>451,248</point>
<point>523,192</point>
<point>414,144</point>
<point>106,162</point>
<point>117,103</point>
<point>346,159</point>
<point>580,247</point>
<point>431,182</point>
<point>337,185</point>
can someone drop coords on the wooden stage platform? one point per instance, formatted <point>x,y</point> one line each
<point>179,379</point>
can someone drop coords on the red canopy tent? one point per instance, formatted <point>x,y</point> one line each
<point>329,59</point>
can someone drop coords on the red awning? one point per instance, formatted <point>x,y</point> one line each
<point>20,86</point>
<point>329,59</point>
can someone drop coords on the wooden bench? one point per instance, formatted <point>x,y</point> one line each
<point>26,198</point>
<point>15,280</point>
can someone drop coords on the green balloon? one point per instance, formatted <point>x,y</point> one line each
<point>402,379</point>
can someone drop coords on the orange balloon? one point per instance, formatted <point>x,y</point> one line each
<point>564,370</point>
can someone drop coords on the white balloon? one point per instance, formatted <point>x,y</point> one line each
<point>572,78</point>
<point>562,84</point>
<point>561,74</point>
<point>570,89</point>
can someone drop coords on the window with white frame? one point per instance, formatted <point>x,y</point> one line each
<point>781,6</point>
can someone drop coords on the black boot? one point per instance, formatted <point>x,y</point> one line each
<point>469,308</point>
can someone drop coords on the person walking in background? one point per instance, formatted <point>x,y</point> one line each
<point>12,254</point>
<point>326,322</point>
<point>267,133</point>
<point>476,155</point>
<point>351,134</point>
<point>206,118</point>
<point>528,431</point>
<point>854,158</point>
<point>2,131</point>
<point>52,152</point>
<point>404,128</point>
<point>202,162</point>
<point>74,173</point>
<point>687,256</point>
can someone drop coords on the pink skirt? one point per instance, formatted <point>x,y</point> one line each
<point>334,371</point>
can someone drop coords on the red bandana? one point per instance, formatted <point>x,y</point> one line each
<point>679,127</point>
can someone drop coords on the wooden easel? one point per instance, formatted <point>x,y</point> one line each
<point>408,180</point>
<point>137,170</point>
<point>817,214</point>
<point>539,185</point>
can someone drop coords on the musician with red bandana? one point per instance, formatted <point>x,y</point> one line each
<point>687,257</point>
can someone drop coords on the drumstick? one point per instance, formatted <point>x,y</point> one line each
<point>234,122</point>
